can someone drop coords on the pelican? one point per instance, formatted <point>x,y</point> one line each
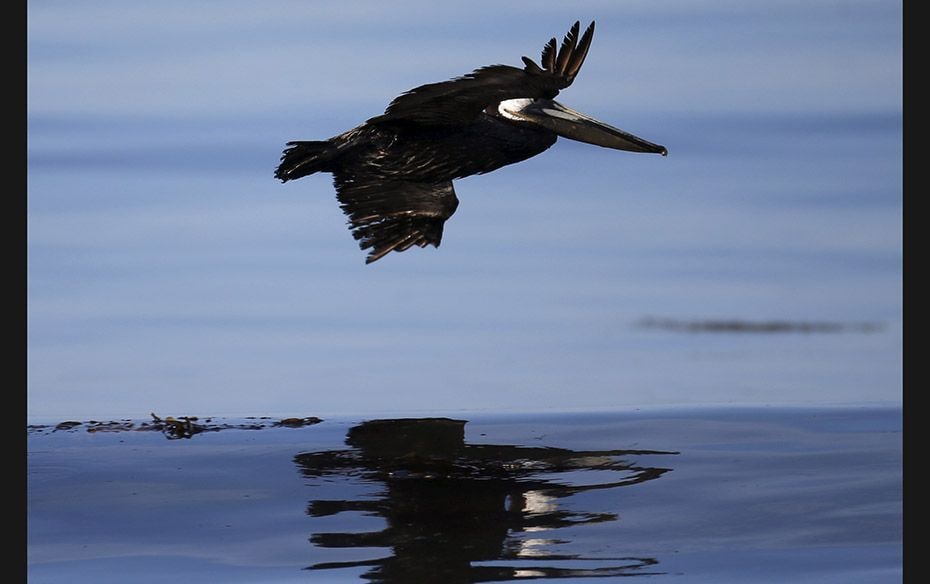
<point>393,174</point>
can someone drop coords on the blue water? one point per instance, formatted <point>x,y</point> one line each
<point>704,494</point>
<point>169,272</point>
<point>729,317</point>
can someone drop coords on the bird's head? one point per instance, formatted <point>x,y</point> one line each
<point>566,122</point>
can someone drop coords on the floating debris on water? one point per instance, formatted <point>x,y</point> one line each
<point>298,422</point>
<point>67,425</point>
<point>742,326</point>
<point>184,427</point>
<point>172,427</point>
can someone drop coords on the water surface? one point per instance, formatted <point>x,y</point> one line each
<point>679,495</point>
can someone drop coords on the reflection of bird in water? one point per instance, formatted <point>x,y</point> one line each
<point>449,504</point>
<point>393,174</point>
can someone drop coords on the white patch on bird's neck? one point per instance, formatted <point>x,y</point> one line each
<point>511,108</point>
<point>560,114</point>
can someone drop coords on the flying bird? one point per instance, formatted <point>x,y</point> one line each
<point>393,174</point>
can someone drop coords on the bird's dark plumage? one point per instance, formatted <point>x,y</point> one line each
<point>393,174</point>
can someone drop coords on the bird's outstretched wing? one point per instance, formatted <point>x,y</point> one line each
<point>390,216</point>
<point>460,100</point>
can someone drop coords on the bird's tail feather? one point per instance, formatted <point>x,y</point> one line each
<point>303,158</point>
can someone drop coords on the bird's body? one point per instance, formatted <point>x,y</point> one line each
<point>429,153</point>
<point>393,174</point>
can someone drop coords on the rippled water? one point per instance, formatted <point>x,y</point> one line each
<point>699,495</point>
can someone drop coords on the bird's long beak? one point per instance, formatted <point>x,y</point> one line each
<point>566,122</point>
